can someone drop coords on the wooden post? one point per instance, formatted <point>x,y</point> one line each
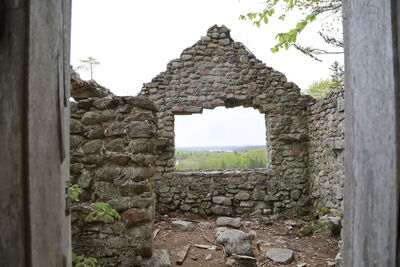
<point>34,133</point>
<point>372,133</point>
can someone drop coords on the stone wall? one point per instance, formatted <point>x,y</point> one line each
<point>229,192</point>
<point>122,148</point>
<point>112,159</point>
<point>218,71</point>
<point>326,150</point>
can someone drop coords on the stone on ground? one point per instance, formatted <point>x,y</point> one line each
<point>204,225</point>
<point>237,261</point>
<point>280,255</point>
<point>291,223</point>
<point>228,222</point>
<point>160,258</point>
<point>332,225</point>
<point>336,220</point>
<point>338,259</point>
<point>183,225</point>
<point>213,247</point>
<point>235,241</point>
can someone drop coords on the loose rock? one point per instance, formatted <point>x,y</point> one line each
<point>204,225</point>
<point>235,241</point>
<point>160,258</point>
<point>228,222</point>
<point>237,261</point>
<point>183,225</point>
<point>280,255</point>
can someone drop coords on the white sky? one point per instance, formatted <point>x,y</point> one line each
<point>134,40</point>
<point>235,126</point>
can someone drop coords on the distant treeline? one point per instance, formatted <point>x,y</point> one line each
<point>222,148</point>
<point>214,160</point>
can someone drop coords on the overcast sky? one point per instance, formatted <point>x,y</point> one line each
<point>134,41</point>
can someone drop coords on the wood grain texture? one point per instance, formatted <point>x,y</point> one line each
<point>12,50</point>
<point>34,133</point>
<point>48,133</point>
<point>396,39</point>
<point>371,186</point>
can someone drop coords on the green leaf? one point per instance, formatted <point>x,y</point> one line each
<point>271,12</point>
<point>74,192</point>
<point>102,212</point>
<point>265,19</point>
<point>321,88</point>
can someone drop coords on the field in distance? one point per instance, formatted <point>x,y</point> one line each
<point>220,157</point>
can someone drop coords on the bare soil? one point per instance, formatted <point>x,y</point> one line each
<point>316,250</point>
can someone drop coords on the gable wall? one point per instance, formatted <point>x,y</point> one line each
<point>217,71</point>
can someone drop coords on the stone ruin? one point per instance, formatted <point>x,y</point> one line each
<point>113,140</point>
<point>122,148</point>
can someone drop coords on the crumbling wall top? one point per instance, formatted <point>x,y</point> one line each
<point>81,89</point>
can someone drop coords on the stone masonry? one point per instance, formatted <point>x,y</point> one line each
<point>326,150</point>
<point>112,160</point>
<point>228,192</point>
<point>122,148</point>
<point>217,71</point>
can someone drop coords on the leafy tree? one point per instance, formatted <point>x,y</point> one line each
<point>312,10</point>
<point>337,76</point>
<point>206,160</point>
<point>88,64</point>
<point>321,88</point>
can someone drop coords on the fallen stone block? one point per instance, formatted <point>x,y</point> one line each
<point>228,222</point>
<point>235,241</point>
<point>183,225</point>
<point>280,255</point>
<point>204,225</point>
<point>160,258</point>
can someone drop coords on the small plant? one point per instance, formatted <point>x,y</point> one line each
<point>74,192</point>
<point>102,212</point>
<point>82,261</point>
<point>319,212</point>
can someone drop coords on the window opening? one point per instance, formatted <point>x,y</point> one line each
<point>221,138</point>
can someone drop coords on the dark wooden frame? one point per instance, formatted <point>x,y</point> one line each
<point>34,133</point>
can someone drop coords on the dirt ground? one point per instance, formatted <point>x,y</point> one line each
<point>282,232</point>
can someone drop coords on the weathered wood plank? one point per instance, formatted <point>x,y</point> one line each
<point>12,51</point>
<point>34,131</point>
<point>396,22</point>
<point>47,130</point>
<point>64,109</point>
<point>371,185</point>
